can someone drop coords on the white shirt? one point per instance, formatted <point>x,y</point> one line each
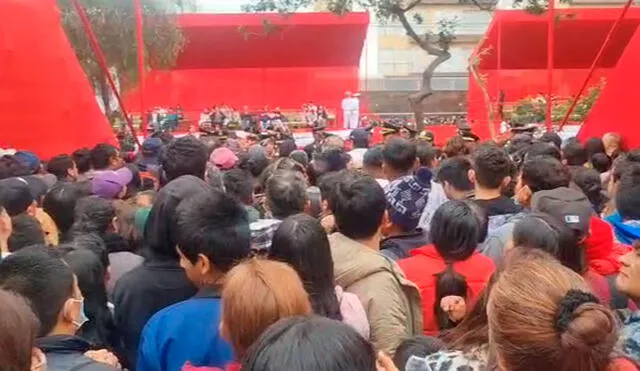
<point>351,104</point>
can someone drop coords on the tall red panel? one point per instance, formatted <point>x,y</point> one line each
<point>46,103</point>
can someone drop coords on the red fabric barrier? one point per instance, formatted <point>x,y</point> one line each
<point>230,59</point>
<point>521,72</point>
<point>46,103</point>
<point>617,108</point>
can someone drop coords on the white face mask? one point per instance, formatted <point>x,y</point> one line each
<point>83,316</point>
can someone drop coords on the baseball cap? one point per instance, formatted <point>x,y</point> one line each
<point>407,197</point>
<point>152,145</point>
<point>28,159</point>
<point>15,195</point>
<point>360,138</point>
<point>109,183</point>
<point>567,205</point>
<point>224,158</point>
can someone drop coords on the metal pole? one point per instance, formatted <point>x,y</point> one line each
<point>613,28</point>
<point>141,67</point>
<point>550,52</point>
<point>102,62</point>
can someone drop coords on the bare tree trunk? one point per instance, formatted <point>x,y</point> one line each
<point>416,99</point>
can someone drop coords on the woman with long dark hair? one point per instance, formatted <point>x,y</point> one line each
<point>301,242</point>
<point>451,266</point>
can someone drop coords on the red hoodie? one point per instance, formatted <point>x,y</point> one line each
<point>230,367</point>
<point>425,263</point>
<point>602,252</point>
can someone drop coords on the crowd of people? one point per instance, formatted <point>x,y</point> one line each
<point>203,254</point>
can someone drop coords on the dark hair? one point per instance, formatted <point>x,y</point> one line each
<point>239,184</point>
<point>492,165</point>
<point>27,231</point>
<point>300,157</point>
<point>544,232</point>
<point>301,242</point>
<point>373,157</point>
<point>601,162</point>
<point>45,281</point>
<point>328,184</point>
<point>399,154</point>
<point>574,153</point>
<point>455,146</point>
<point>594,145</point>
<point>18,331</point>
<point>91,242</point>
<point>358,206</point>
<point>332,159</point>
<point>591,185</point>
<point>93,214</point>
<point>10,167</point>
<point>426,154</point>
<point>60,203</point>
<point>82,158</point>
<point>101,155</point>
<point>60,166</point>
<point>286,147</point>
<point>312,344</point>
<point>215,225</point>
<point>15,195</point>
<point>100,330</point>
<point>544,174</point>
<point>628,193</point>
<point>286,193</point>
<point>540,149</point>
<point>184,156</point>
<point>553,138</point>
<point>455,171</point>
<point>457,227</point>
<point>417,346</point>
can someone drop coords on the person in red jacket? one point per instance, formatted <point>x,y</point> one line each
<point>451,266</point>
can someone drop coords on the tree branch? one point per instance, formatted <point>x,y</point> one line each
<point>411,6</point>
<point>486,7</point>
<point>422,42</point>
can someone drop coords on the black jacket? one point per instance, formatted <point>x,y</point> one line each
<point>400,246</point>
<point>66,353</point>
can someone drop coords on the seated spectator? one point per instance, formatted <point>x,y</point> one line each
<point>391,301</point>
<point>301,242</point>
<point>372,165</point>
<point>626,221</point>
<point>406,199</point>
<point>184,156</point>
<point>26,231</point>
<point>312,344</point>
<point>63,167</point>
<point>453,179</point>
<point>213,236</point>
<point>160,281</point>
<point>111,184</point>
<point>256,294</point>
<point>399,158</point>
<point>18,330</point>
<point>238,183</point>
<point>451,266</point>
<point>491,174</point>
<point>53,293</point>
<point>538,304</point>
<point>286,195</point>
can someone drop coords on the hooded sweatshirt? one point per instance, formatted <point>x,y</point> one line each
<point>603,254</point>
<point>159,282</point>
<point>626,231</point>
<point>392,302</point>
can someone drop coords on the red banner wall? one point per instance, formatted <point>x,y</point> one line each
<point>46,103</point>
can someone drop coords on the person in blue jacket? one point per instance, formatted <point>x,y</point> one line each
<point>626,221</point>
<point>213,235</point>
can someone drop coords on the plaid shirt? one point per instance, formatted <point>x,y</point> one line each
<point>262,233</point>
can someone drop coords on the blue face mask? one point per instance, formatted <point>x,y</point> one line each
<point>83,316</point>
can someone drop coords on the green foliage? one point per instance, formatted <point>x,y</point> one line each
<point>113,22</point>
<point>537,7</point>
<point>533,110</point>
